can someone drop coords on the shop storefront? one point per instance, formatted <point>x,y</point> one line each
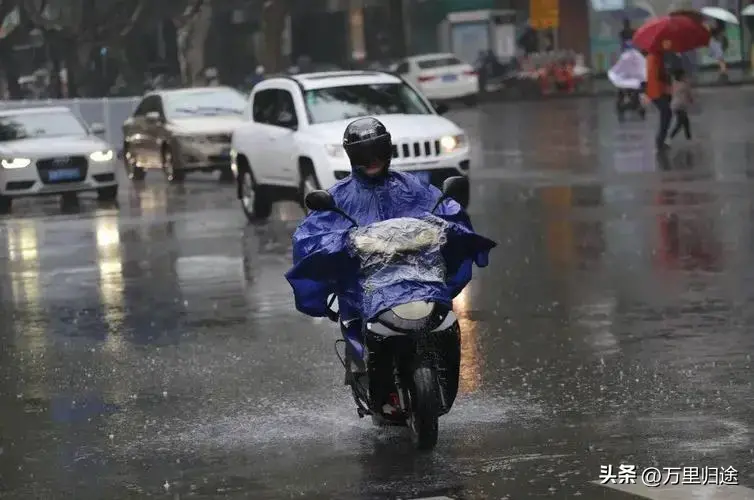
<point>427,18</point>
<point>606,21</point>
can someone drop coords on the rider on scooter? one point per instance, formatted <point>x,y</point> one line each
<point>371,194</point>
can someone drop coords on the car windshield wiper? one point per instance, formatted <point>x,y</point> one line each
<point>187,111</point>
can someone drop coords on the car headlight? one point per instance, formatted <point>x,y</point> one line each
<point>15,162</point>
<point>335,150</point>
<point>100,156</point>
<point>451,143</point>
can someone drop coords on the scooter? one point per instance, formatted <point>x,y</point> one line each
<point>416,344</point>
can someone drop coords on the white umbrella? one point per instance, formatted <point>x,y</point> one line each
<point>720,13</point>
<point>748,10</point>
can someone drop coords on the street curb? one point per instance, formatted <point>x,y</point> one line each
<point>502,96</point>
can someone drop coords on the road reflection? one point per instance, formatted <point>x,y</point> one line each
<point>559,229</point>
<point>27,319</point>
<point>572,243</point>
<point>24,252</point>
<point>688,240</point>
<point>471,369</point>
<point>111,284</point>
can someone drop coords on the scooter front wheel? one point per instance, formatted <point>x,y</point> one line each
<point>424,408</point>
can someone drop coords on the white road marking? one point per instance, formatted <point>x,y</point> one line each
<point>685,492</point>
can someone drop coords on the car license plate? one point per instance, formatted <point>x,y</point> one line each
<point>424,177</point>
<point>64,174</point>
<point>449,78</point>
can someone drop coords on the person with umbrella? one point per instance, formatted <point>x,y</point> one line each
<point>658,90</point>
<point>677,32</point>
<point>718,46</point>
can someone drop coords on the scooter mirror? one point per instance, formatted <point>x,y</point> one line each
<point>457,188</point>
<point>319,201</point>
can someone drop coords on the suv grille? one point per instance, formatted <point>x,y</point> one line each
<point>416,149</point>
<point>48,166</point>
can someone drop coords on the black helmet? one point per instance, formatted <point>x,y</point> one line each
<point>366,140</point>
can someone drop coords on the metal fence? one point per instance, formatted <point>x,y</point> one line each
<point>111,112</point>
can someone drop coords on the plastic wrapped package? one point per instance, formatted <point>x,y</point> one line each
<point>400,250</point>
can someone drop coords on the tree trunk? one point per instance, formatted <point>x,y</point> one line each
<point>274,15</point>
<point>191,41</point>
<point>10,69</point>
<point>8,55</point>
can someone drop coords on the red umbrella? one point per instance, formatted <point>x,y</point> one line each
<point>673,33</point>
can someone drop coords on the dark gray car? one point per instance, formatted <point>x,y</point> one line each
<point>182,130</point>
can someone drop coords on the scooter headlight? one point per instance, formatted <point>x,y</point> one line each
<point>413,310</point>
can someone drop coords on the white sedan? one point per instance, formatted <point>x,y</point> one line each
<point>49,151</point>
<point>440,77</point>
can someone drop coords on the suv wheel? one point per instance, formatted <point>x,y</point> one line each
<point>255,201</point>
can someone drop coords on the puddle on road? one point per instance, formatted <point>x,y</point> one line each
<point>332,423</point>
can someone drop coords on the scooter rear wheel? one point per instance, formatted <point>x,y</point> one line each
<point>424,408</point>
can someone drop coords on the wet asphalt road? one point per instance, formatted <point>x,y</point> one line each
<point>152,350</point>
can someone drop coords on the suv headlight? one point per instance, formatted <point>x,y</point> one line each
<point>100,156</point>
<point>15,162</point>
<point>451,143</point>
<point>335,150</point>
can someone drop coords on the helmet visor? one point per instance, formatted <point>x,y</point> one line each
<point>369,152</point>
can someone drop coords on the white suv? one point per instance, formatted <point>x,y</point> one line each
<point>291,140</point>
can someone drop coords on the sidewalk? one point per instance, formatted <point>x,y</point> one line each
<point>601,86</point>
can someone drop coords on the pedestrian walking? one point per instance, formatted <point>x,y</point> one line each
<point>658,91</point>
<point>681,100</point>
<point>718,46</point>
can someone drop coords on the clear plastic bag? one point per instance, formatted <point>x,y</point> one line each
<point>399,250</point>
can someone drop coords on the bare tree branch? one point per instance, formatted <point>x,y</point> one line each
<point>134,19</point>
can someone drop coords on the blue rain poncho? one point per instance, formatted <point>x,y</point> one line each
<point>325,263</point>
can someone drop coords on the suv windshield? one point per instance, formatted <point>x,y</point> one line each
<point>52,124</point>
<point>204,103</point>
<point>354,101</point>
